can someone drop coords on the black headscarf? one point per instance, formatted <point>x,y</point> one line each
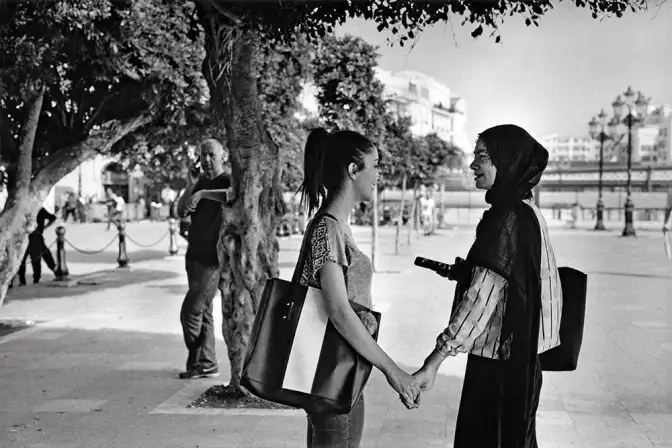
<point>508,242</point>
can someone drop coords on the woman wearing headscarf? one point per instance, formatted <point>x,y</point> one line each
<point>508,299</point>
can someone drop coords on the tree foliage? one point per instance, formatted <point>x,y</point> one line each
<point>349,95</point>
<point>396,153</point>
<point>164,150</point>
<point>101,62</point>
<point>316,19</point>
<point>283,71</point>
<point>441,153</point>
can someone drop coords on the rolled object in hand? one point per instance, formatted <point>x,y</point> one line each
<point>436,266</point>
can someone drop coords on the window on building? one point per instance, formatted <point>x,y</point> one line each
<point>412,88</point>
<point>424,93</point>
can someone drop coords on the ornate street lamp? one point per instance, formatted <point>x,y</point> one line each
<point>631,120</point>
<point>597,127</point>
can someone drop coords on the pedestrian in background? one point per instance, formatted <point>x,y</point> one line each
<point>202,202</point>
<point>70,207</point>
<point>115,208</point>
<point>37,249</point>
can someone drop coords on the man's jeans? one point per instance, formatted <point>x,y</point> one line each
<point>198,324</point>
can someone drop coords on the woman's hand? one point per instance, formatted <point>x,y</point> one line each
<point>405,385</point>
<point>425,378</point>
<point>453,272</point>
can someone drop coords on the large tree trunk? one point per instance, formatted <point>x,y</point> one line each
<point>16,219</point>
<point>248,248</point>
<point>31,185</point>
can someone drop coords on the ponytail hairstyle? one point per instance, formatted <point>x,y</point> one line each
<point>326,160</point>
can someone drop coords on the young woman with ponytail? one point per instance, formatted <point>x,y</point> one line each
<point>341,169</point>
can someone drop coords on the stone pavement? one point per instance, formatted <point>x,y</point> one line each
<point>99,369</point>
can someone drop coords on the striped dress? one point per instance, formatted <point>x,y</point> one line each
<point>476,323</point>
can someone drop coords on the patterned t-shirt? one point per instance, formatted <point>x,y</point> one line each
<point>328,243</point>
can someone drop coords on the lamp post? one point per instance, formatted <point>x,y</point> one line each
<point>597,127</point>
<point>630,120</point>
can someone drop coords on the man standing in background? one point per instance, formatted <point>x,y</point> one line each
<point>70,207</point>
<point>202,201</point>
<point>115,208</point>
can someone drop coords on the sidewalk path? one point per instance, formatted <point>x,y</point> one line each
<point>99,370</point>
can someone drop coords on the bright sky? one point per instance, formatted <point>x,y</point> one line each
<point>550,79</point>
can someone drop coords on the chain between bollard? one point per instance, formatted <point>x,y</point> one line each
<point>148,245</point>
<point>61,271</point>
<point>90,252</point>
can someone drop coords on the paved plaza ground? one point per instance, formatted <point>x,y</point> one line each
<point>100,367</point>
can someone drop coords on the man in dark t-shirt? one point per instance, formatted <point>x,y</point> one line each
<point>202,201</point>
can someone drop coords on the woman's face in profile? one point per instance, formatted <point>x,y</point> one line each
<point>484,171</point>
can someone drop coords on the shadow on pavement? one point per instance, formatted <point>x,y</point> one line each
<point>178,290</point>
<point>629,274</point>
<point>102,393</point>
<point>97,281</point>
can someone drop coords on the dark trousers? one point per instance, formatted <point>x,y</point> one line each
<point>37,250</point>
<point>198,325</point>
<point>67,212</point>
<point>113,217</point>
<point>337,431</point>
<point>479,418</point>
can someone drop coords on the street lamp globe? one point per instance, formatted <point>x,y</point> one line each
<point>602,117</point>
<point>629,96</point>
<point>594,128</point>
<point>619,106</point>
<point>613,126</point>
<point>641,105</point>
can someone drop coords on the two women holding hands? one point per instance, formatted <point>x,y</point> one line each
<point>507,302</point>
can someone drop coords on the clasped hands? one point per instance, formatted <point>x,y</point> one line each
<point>413,387</point>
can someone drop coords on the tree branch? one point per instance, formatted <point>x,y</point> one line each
<point>226,13</point>
<point>34,100</point>
<point>58,164</point>
<point>94,116</point>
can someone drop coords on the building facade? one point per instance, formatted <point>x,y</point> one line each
<point>570,149</point>
<point>651,142</point>
<point>92,179</point>
<point>656,136</point>
<point>430,104</point>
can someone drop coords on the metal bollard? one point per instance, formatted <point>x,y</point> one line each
<point>172,227</point>
<point>295,225</point>
<point>122,258</point>
<point>61,271</point>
